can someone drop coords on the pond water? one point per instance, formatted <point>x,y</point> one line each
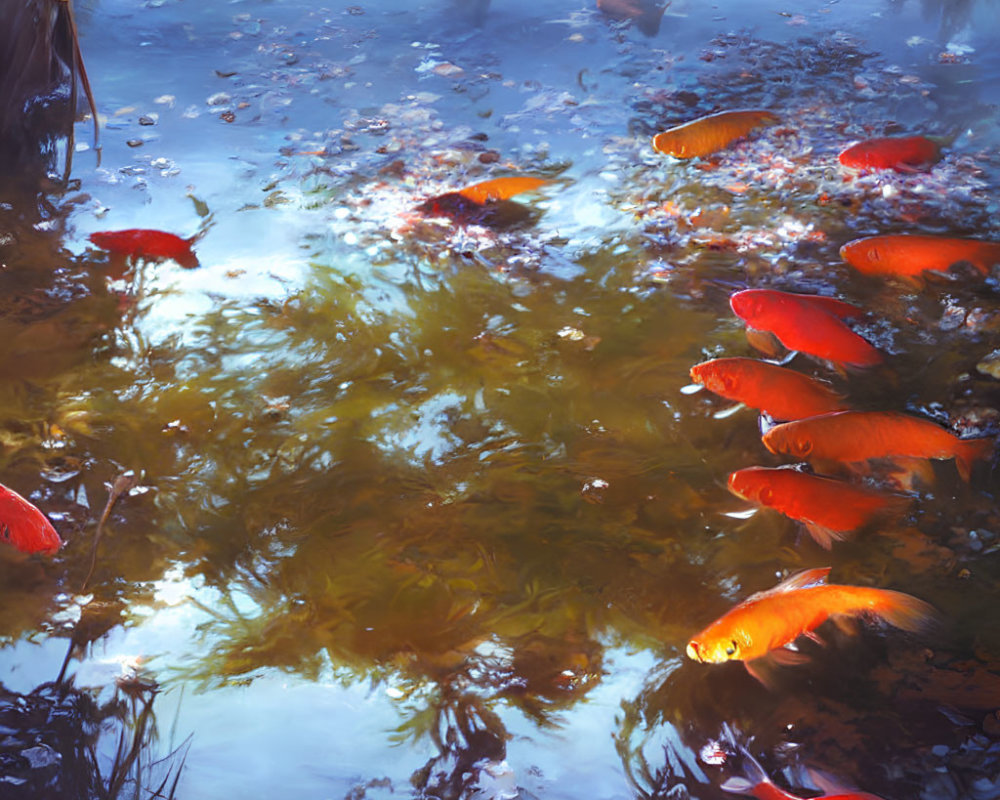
<point>414,507</point>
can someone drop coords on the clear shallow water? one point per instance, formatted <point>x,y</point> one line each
<point>423,508</point>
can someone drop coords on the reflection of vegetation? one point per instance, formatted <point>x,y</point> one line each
<point>451,497</point>
<point>432,515</point>
<point>471,740</point>
<point>40,61</point>
<point>56,739</point>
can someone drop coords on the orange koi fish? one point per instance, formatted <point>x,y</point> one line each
<point>756,783</point>
<point>908,255</point>
<point>781,392</point>
<point>704,136</point>
<point>807,323</point>
<point>646,14</point>
<point>901,153</point>
<point>24,526</point>
<point>499,189</point>
<point>768,621</point>
<point>145,243</point>
<point>831,510</point>
<point>853,437</point>
<point>479,202</point>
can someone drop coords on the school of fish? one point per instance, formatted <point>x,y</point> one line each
<point>844,448</point>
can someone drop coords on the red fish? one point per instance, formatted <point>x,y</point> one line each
<point>908,255</point>
<point>781,392</point>
<point>768,621</point>
<point>755,782</point>
<point>24,526</point>
<point>147,243</point>
<point>831,510</point>
<point>704,136</point>
<point>807,323</point>
<point>901,153</point>
<point>854,437</point>
<point>482,203</point>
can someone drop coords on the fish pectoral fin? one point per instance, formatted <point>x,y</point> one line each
<point>737,785</point>
<point>745,514</point>
<point>785,657</point>
<point>815,637</point>
<point>728,412</point>
<point>762,671</point>
<point>913,169</point>
<point>823,536</point>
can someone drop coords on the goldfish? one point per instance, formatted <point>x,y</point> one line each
<point>500,189</point>
<point>769,621</point>
<point>479,202</point>
<point>778,391</point>
<point>754,781</point>
<point>807,323</point>
<point>147,243</point>
<point>901,153</point>
<point>854,437</point>
<point>908,255</point>
<point>647,14</point>
<point>831,510</point>
<point>24,526</point>
<point>704,136</point>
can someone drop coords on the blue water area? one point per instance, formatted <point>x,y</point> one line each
<point>381,501</point>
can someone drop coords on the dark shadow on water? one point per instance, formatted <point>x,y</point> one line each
<point>953,15</point>
<point>60,743</point>
<point>41,71</point>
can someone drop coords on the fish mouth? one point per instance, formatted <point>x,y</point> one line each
<point>692,652</point>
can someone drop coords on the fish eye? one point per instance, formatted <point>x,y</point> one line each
<point>733,648</point>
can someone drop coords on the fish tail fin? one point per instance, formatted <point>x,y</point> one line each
<point>649,22</point>
<point>753,776</point>
<point>971,450</point>
<point>904,611</point>
<point>945,140</point>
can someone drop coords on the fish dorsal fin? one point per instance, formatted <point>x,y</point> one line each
<point>800,580</point>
